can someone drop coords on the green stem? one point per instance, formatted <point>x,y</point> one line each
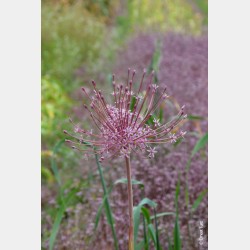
<point>107,205</point>
<point>130,205</point>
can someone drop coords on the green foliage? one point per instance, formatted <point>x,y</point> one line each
<point>46,175</point>
<point>64,200</point>
<point>137,212</point>
<point>203,6</point>
<point>199,199</point>
<point>54,104</point>
<point>71,36</point>
<point>177,236</point>
<point>161,215</point>
<point>107,193</point>
<point>201,143</point>
<point>54,165</point>
<point>149,231</point>
<point>105,201</point>
<point>56,227</point>
<point>167,15</point>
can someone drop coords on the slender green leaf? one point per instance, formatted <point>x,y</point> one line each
<point>155,60</point>
<point>108,211</point>
<point>200,144</point>
<point>59,217</point>
<point>53,162</point>
<point>125,181</point>
<point>152,233</point>
<point>56,226</point>
<point>177,238</point>
<point>162,214</point>
<point>140,245</point>
<point>98,215</point>
<point>105,197</point>
<point>177,191</point>
<point>132,104</point>
<point>137,211</point>
<point>195,117</point>
<point>148,202</point>
<point>161,114</point>
<point>156,232</point>
<point>146,214</point>
<point>62,208</point>
<point>150,121</point>
<point>199,200</point>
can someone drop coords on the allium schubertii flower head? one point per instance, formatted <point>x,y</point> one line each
<point>122,126</point>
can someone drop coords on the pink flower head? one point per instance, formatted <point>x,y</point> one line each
<point>122,126</point>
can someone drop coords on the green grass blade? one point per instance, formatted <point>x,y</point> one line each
<point>53,162</point>
<point>199,200</point>
<point>155,60</point>
<point>195,117</point>
<point>146,216</point>
<point>106,203</point>
<point>200,144</point>
<point>133,101</point>
<point>59,217</point>
<point>125,181</point>
<point>98,215</point>
<point>62,207</point>
<point>156,232</point>
<point>161,114</point>
<point>137,213</point>
<point>139,246</point>
<point>105,197</point>
<point>55,227</point>
<point>177,238</point>
<point>151,231</point>
<point>162,214</point>
<point>177,192</point>
<point>148,202</point>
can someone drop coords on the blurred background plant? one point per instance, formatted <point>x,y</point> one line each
<point>84,40</point>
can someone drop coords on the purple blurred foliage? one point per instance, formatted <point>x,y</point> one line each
<point>183,66</point>
<point>183,69</point>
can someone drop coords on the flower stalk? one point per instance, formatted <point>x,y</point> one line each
<point>130,204</point>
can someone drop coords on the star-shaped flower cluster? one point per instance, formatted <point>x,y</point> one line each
<point>122,127</point>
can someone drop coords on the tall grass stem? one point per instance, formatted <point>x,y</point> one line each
<point>130,204</point>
